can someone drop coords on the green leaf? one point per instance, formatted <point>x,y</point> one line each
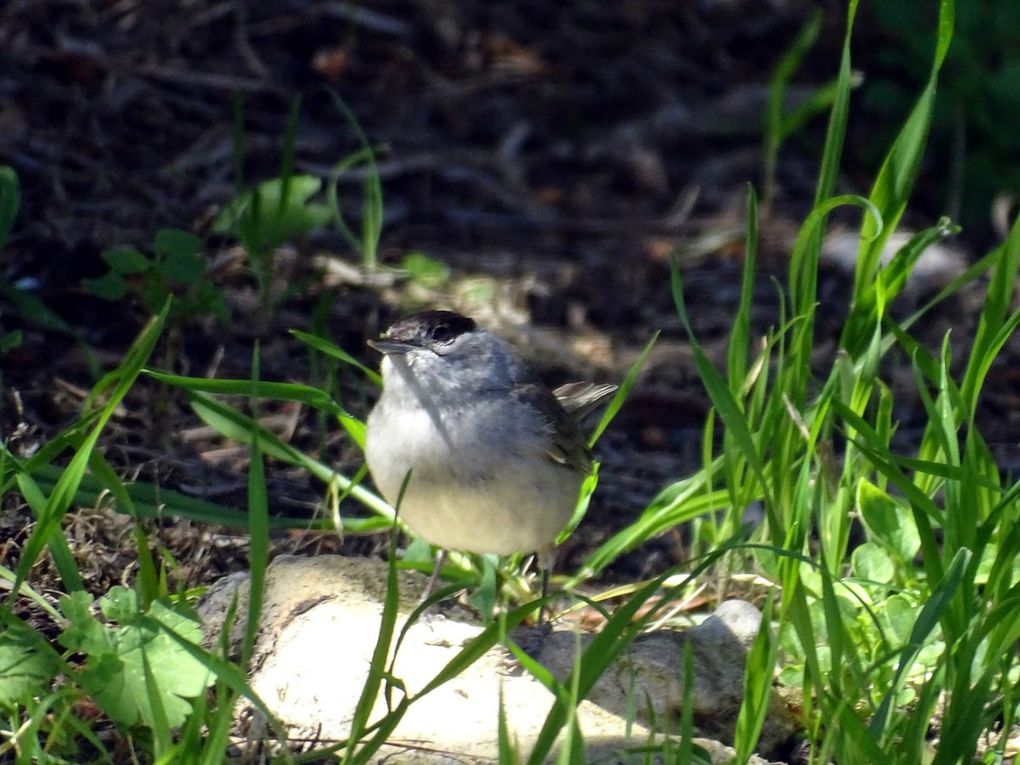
<point>25,671</point>
<point>424,270</point>
<point>118,681</point>
<point>99,672</point>
<point>871,562</point>
<point>180,255</point>
<point>126,260</point>
<point>888,521</point>
<point>896,614</point>
<point>275,212</point>
<point>10,340</point>
<point>173,242</point>
<point>182,267</point>
<point>110,286</point>
<point>483,599</point>
<point>83,632</point>
<point>10,201</point>
<point>119,605</point>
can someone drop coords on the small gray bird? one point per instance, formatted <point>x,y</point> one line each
<point>497,459</point>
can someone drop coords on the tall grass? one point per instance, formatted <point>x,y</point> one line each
<point>920,622</point>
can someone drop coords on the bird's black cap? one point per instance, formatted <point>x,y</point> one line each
<point>424,329</point>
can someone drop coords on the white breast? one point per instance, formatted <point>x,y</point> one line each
<point>480,480</point>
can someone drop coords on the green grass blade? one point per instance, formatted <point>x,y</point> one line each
<point>70,437</point>
<point>803,286</point>
<point>572,741</point>
<point>239,427</point>
<point>994,328</point>
<point>934,609</point>
<point>659,517</point>
<point>898,173</point>
<point>258,527</point>
<point>890,280</point>
<point>970,275</point>
<point>63,558</point>
<point>719,392</point>
<point>287,158</point>
<point>151,501</point>
<point>476,648</point>
<point>159,725</point>
<point>774,132</point>
<point>509,753</point>
<point>215,742</point>
<point>739,345</point>
<point>685,752</point>
<point>539,672</point>
<point>148,582</point>
<point>28,592</point>
<point>380,655</point>
<point>895,274</point>
<point>614,637</point>
<point>66,487</point>
<point>836,130</point>
<point>278,391</point>
<point>758,670</point>
<point>328,348</point>
<point>624,390</point>
<point>362,156</point>
<point>372,201</point>
<point>615,634</point>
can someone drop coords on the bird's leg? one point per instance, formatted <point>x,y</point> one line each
<point>440,559</point>
<point>545,558</point>
<point>532,639</point>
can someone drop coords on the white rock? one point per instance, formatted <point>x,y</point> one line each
<point>938,265</point>
<point>318,630</point>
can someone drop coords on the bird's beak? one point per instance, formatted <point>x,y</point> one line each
<point>390,346</point>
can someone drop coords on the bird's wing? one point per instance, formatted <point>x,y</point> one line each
<point>582,398</point>
<point>567,444</point>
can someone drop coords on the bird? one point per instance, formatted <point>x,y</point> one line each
<point>495,459</point>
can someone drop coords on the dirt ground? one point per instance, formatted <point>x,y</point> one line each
<point>552,155</point>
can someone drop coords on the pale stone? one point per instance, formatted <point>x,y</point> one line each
<point>319,626</point>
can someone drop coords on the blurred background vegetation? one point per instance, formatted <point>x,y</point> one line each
<point>974,154</point>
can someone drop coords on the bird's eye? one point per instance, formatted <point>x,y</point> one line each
<point>442,332</point>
